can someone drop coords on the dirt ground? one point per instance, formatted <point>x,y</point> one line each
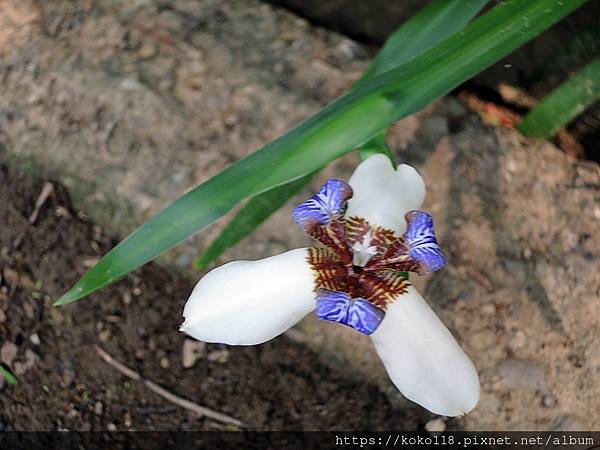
<point>128,106</point>
<point>63,384</point>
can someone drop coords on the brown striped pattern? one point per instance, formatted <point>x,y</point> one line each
<point>381,281</point>
<point>379,286</point>
<point>383,287</point>
<point>330,272</point>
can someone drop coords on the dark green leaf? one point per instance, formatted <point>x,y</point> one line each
<point>435,22</point>
<point>439,20</point>
<point>256,211</point>
<point>564,103</point>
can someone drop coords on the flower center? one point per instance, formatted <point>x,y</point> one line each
<point>362,267</point>
<point>362,261</point>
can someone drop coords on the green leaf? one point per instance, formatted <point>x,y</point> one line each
<point>432,24</point>
<point>437,21</point>
<point>9,377</point>
<point>564,103</point>
<point>342,126</point>
<point>255,212</point>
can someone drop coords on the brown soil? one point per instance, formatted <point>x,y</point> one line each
<point>278,385</point>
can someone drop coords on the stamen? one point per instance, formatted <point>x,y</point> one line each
<point>363,251</point>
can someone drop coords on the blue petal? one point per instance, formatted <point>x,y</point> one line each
<point>329,202</point>
<point>333,305</point>
<point>341,308</point>
<point>422,244</point>
<point>364,316</point>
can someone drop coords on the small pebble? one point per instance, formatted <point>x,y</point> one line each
<point>88,263</point>
<point>23,366</point>
<point>436,425</point>
<point>518,374</point>
<point>34,339</point>
<point>549,401</point>
<point>191,352</point>
<point>8,353</point>
<point>488,309</point>
<point>231,120</point>
<point>29,312</point>
<point>13,277</point>
<point>512,166</point>
<point>127,84</point>
<point>164,362</point>
<point>147,50</point>
<point>98,408</point>
<point>104,335</point>
<point>111,427</point>
<point>519,340</point>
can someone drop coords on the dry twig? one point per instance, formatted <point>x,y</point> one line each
<point>44,194</point>
<point>200,410</point>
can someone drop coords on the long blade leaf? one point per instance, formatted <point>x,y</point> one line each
<point>434,23</point>
<point>340,127</point>
<point>564,103</point>
<point>431,25</point>
<point>255,212</point>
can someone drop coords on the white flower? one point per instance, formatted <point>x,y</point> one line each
<point>372,234</point>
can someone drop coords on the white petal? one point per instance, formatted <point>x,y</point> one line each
<point>249,302</point>
<point>383,195</point>
<point>423,360</point>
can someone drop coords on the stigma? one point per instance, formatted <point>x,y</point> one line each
<point>363,251</point>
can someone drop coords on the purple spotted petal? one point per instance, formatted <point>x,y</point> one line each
<point>329,202</point>
<point>421,241</point>
<point>341,308</point>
